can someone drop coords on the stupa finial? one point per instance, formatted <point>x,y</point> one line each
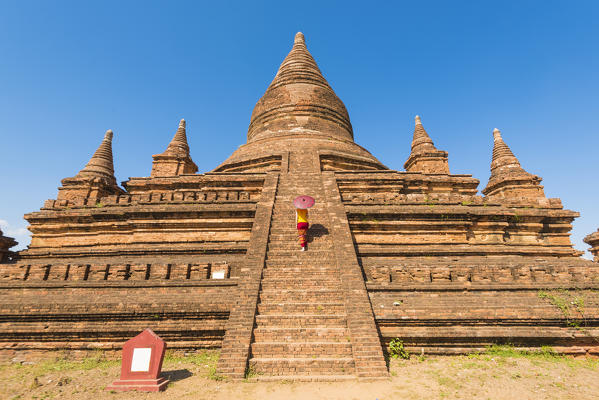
<point>496,134</point>
<point>417,120</point>
<point>299,38</point>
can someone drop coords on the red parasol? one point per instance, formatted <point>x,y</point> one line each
<point>303,202</point>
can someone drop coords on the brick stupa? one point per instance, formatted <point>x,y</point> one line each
<point>211,260</point>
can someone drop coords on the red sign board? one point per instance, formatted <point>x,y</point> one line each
<point>141,364</point>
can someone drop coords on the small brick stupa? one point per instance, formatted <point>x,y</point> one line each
<point>211,260</point>
<point>5,244</point>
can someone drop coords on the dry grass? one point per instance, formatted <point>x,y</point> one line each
<point>501,372</point>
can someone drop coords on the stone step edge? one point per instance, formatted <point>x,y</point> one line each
<point>302,378</point>
<point>300,360</point>
<point>287,343</point>
<point>301,303</point>
<point>302,315</point>
<point>298,328</point>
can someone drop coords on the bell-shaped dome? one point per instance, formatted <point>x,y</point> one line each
<point>299,101</point>
<point>299,124</point>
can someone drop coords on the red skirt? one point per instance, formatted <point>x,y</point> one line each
<point>302,225</point>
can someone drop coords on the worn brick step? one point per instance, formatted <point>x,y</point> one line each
<point>279,264</point>
<point>275,238</point>
<point>295,308</point>
<point>283,250</point>
<point>305,280</point>
<point>297,255</point>
<point>315,275</point>
<point>302,378</point>
<point>291,230</point>
<point>284,224</point>
<point>296,335</point>
<point>301,320</point>
<point>291,283</point>
<point>299,272</point>
<point>304,268</point>
<point>292,244</point>
<point>303,366</point>
<point>301,349</point>
<point>301,295</point>
<point>307,267</point>
<point>292,262</point>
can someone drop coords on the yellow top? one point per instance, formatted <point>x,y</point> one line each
<point>302,215</point>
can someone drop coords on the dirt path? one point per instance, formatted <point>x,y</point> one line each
<point>502,375</point>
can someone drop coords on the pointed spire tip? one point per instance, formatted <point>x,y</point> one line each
<point>417,119</point>
<point>108,135</point>
<point>496,134</point>
<point>182,122</point>
<point>299,38</point>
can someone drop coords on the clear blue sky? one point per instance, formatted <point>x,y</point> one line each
<point>71,70</point>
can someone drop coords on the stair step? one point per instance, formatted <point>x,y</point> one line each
<point>283,262</point>
<point>296,251</point>
<point>301,320</point>
<point>299,272</point>
<point>308,308</point>
<point>301,295</point>
<point>291,283</point>
<point>301,350</point>
<point>303,366</point>
<point>302,378</point>
<point>295,335</point>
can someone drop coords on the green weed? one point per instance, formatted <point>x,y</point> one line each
<point>397,350</point>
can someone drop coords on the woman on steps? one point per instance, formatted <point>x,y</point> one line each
<point>301,216</point>
<point>302,203</point>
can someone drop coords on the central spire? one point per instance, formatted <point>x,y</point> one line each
<point>299,101</point>
<point>299,123</point>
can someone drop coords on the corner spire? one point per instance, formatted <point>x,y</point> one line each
<point>175,160</point>
<point>5,244</point>
<point>508,178</point>
<point>593,241</point>
<point>425,157</point>
<point>101,164</point>
<point>178,144</point>
<point>96,179</point>
<point>502,154</point>
<point>421,141</point>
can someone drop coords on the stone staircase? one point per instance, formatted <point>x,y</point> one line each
<point>301,330</point>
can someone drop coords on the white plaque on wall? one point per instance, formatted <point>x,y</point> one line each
<point>218,274</point>
<point>141,359</point>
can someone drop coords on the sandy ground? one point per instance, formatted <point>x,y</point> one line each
<point>487,376</point>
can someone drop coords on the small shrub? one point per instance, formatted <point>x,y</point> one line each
<point>397,350</point>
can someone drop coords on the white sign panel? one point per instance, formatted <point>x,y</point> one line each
<point>141,360</point>
<point>218,274</point>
